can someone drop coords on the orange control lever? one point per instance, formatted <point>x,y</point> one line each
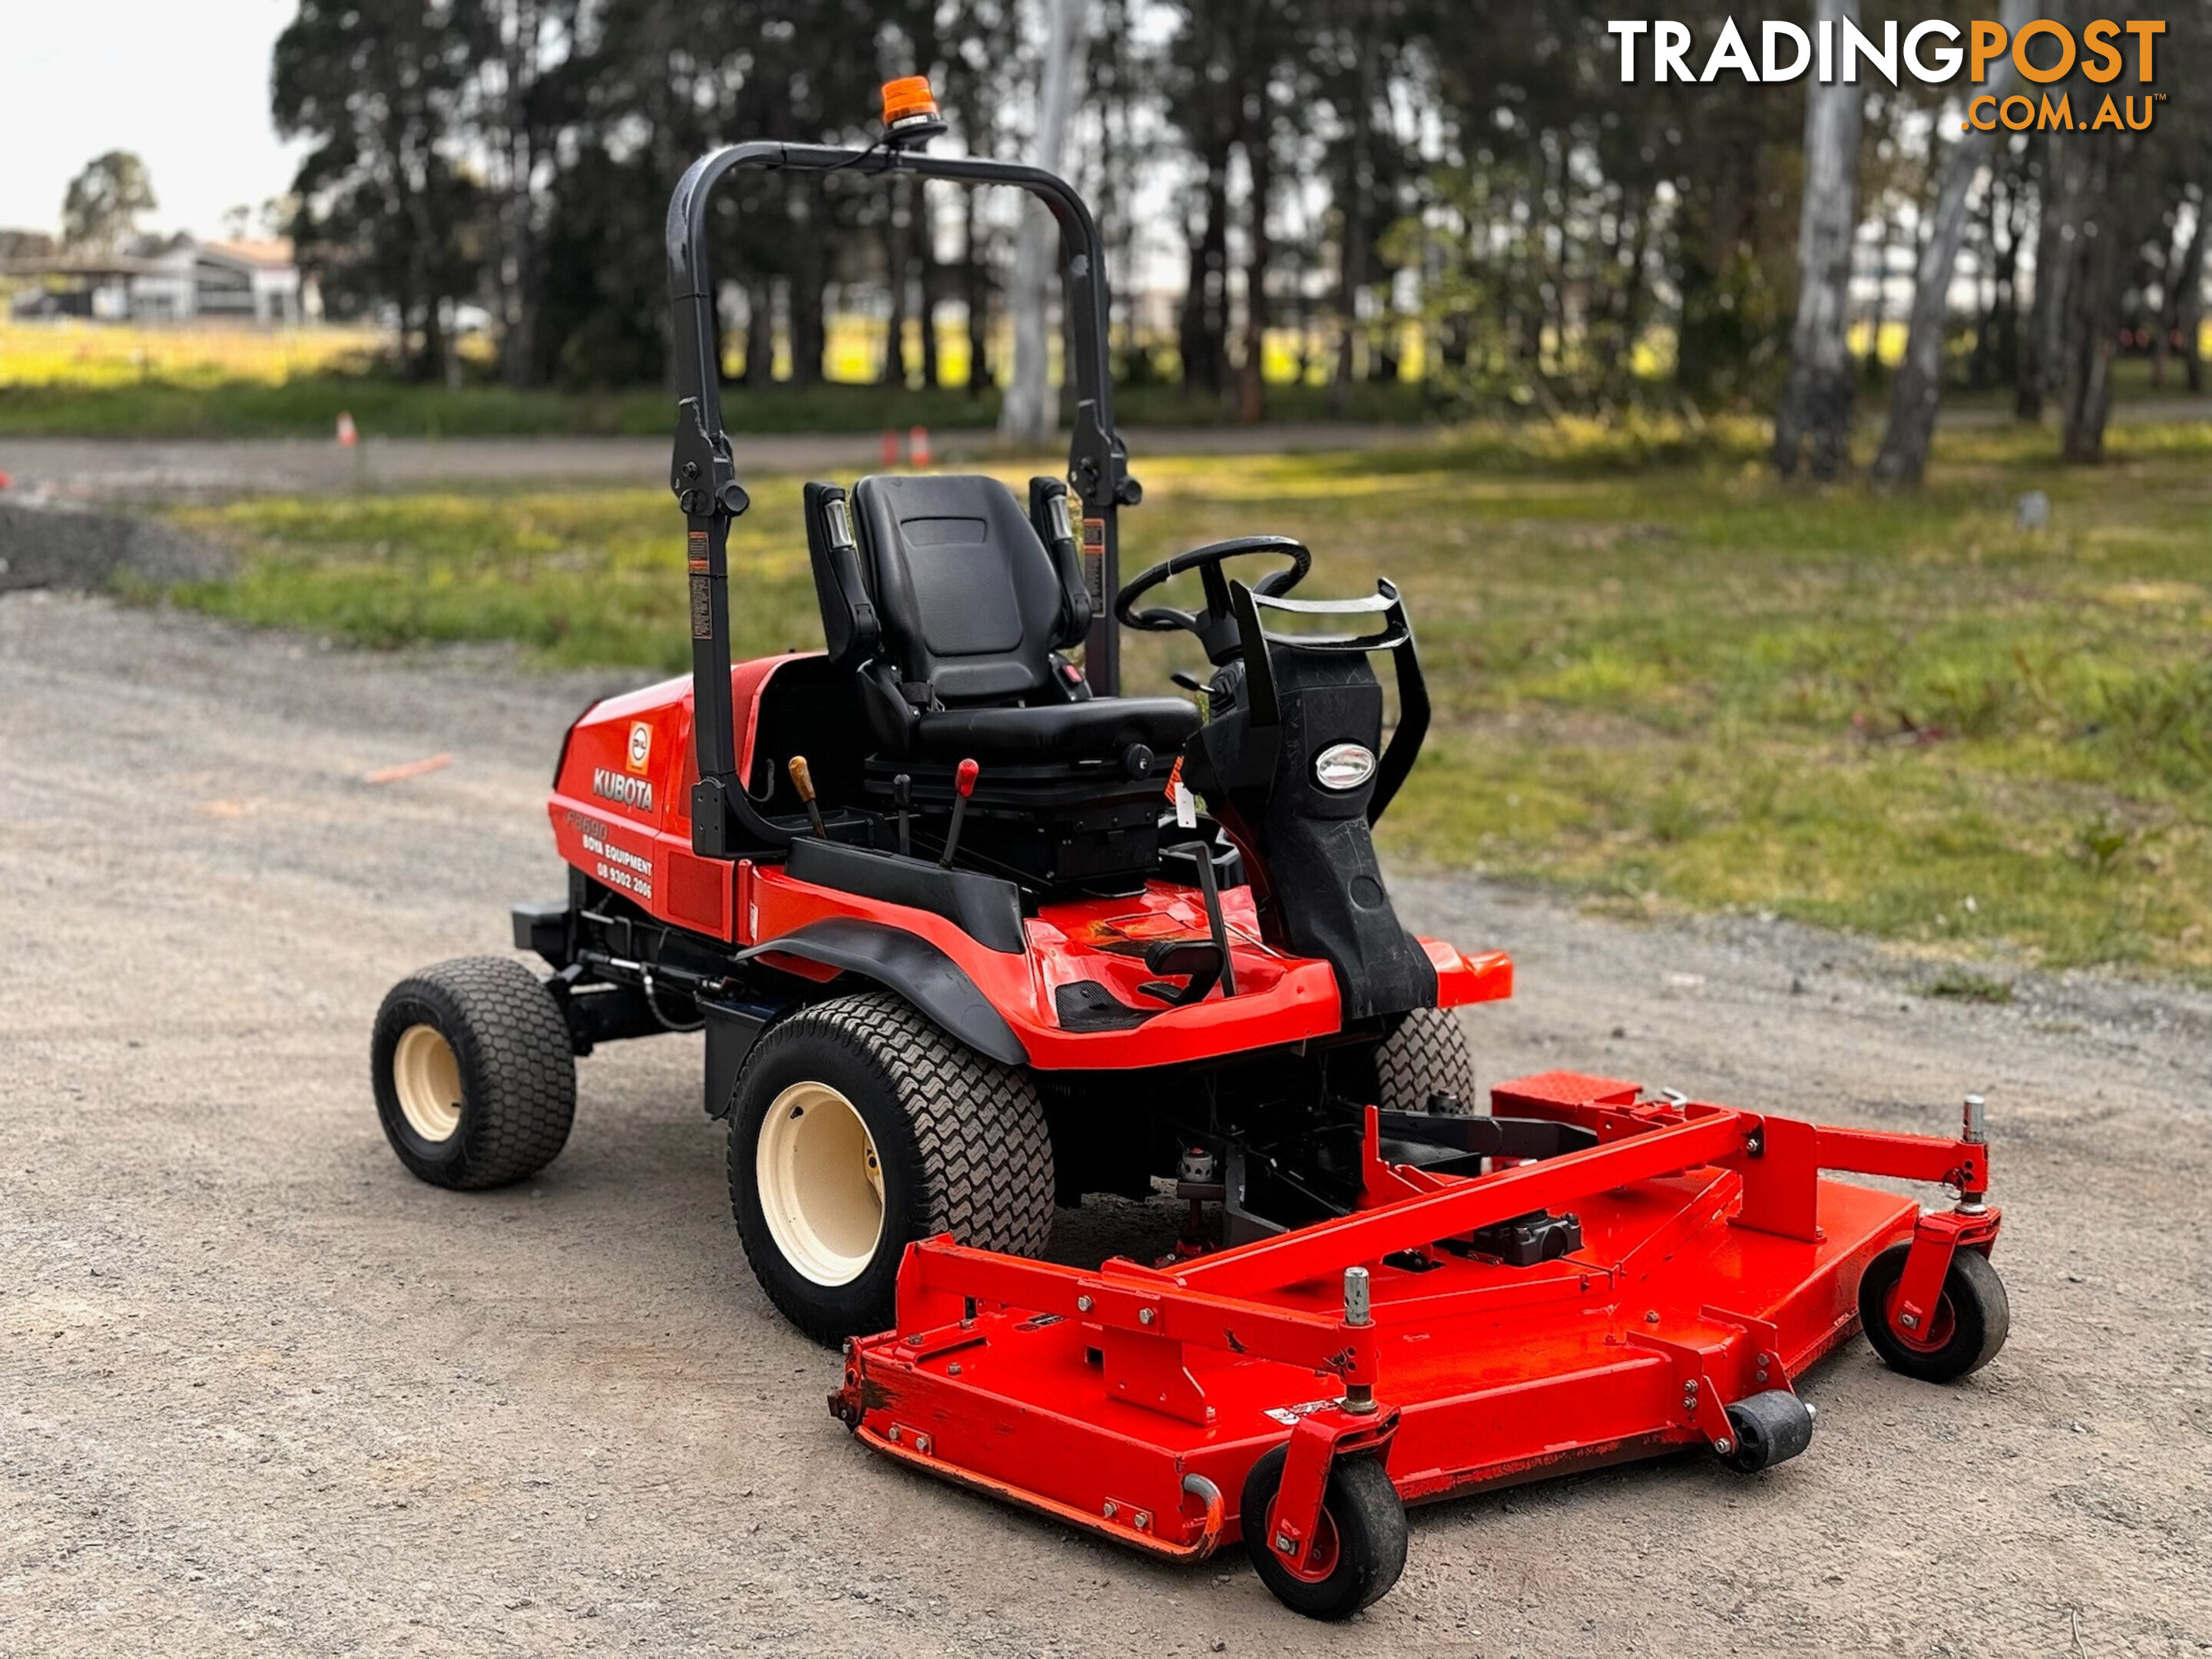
<point>803,780</point>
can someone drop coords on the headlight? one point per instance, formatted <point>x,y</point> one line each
<point>1344,766</point>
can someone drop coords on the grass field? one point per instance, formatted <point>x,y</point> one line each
<point>1662,682</point>
<point>101,380</point>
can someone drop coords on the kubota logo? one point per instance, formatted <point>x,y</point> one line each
<point>637,793</point>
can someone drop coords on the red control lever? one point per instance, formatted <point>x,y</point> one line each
<point>964,785</point>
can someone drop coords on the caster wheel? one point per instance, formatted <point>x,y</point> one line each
<point>1769,1428</point>
<point>1970,1324</point>
<point>1362,1548</point>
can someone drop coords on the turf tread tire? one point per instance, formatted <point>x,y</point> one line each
<point>982,1152</point>
<point>517,1065</point>
<point>1425,1055</point>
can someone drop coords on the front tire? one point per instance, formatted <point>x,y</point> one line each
<point>859,1126</point>
<point>474,1073</point>
<point>1427,1055</point>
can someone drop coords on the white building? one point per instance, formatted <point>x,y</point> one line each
<point>229,282</point>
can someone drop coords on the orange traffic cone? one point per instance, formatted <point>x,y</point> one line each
<point>347,436</point>
<point>891,448</point>
<point>917,447</point>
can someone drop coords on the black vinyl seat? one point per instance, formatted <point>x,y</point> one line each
<point>967,608</point>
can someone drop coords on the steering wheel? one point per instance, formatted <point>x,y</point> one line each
<point>1216,625</point>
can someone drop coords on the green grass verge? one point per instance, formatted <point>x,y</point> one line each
<point>1662,681</point>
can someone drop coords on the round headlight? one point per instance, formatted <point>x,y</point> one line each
<point>1344,766</point>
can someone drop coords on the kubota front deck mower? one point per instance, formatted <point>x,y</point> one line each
<point>965,949</point>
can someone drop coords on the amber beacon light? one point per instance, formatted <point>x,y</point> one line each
<point>910,115</point>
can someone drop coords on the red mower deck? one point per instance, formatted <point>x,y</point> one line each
<point>1716,1267</point>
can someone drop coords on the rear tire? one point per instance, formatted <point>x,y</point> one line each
<point>1364,1540</point>
<point>885,1130</point>
<point>1426,1055</point>
<point>474,1073</point>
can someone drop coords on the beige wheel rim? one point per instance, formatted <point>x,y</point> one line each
<point>821,1183</point>
<point>427,1080</point>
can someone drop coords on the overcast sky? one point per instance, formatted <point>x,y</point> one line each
<point>183,82</point>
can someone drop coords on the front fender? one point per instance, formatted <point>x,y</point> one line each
<point>925,976</point>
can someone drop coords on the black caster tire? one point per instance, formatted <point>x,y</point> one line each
<point>1971,1322</point>
<point>474,1071</point>
<point>1363,1523</point>
<point>857,1127</point>
<point>1769,1428</point>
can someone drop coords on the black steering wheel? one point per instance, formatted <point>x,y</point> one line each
<point>1216,625</point>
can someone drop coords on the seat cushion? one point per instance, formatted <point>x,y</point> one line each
<point>1057,731</point>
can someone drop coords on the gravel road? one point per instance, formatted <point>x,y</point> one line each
<point>260,1390</point>
<point>111,470</point>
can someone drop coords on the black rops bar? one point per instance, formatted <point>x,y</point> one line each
<point>724,821</point>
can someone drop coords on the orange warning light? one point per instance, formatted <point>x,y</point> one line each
<point>907,99</point>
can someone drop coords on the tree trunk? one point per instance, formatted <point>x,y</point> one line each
<point>1987,290</point>
<point>1814,422</point>
<point>1902,459</point>
<point>1878,304</point>
<point>760,331</point>
<point>2189,297</point>
<point>1351,213</point>
<point>2177,319</point>
<point>2089,323</point>
<point>2016,216</point>
<point>976,290</point>
<point>2067,187</point>
<point>808,280</point>
<point>1026,415</point>
<point>519,342</point>
<point>1259,153</point>
<point>893,373</point>
<point>925,283</point>
<point>2034,363</point>
<point>1202,337</point>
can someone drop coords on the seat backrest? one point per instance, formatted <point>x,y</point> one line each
<point>966,593</point>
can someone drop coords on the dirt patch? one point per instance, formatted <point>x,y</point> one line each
<point>52,546</point>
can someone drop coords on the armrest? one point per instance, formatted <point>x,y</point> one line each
<point>849,628</point>
<point>1048,515</point>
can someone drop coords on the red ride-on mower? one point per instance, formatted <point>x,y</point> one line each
<point>965,949</point>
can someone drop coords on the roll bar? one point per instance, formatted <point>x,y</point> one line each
<point>724,821</point>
